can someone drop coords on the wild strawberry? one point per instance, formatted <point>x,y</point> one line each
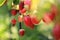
<point>28,22</point>
<point>21,32</point>
<point>13,12</point>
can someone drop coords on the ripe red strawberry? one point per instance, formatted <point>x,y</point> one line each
<point>13,21</point>
<point>22,11</point>
<point>21,5</point>
<point>20,18</point>
<point>28,22</point>
<point>48,17</point>
<point>56,31</point>
<point>21,32</point>
<point>13,12</point>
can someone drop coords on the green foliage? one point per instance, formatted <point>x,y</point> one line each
<point>9,4</point>
<point>16,2</point>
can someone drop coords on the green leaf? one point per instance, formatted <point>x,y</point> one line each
<point>3,10</point>
<point>2,2</point>
<point>16,2</point>
<point>3,15</point>
<point>9,4</point>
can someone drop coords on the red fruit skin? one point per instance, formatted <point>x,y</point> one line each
<point>35,21</point>
<point>56,31</point>
<point>21,5</point>
<point>13,21</point>
<point>48,17</point>
<point>21,32</point>
<point>20,18</point>
<point>13,12</point>
<point>22,11</point>
<point>28,22</point>
<point>27,3</point>
<point>51,16</point>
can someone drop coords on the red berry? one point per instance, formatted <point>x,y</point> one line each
<point>35,20</point>
<point>22,11</point>
<point>21,5</point>
<point>27,2</point>
<point>56,31</point>
<point>13,12</point>
<point>13,21</point>
<point>48,17</point>
<point>21,32</point>
<point>20,18</point>
<point>28,22</point>
<point>52,16</point>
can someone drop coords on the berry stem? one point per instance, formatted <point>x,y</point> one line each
<point>20,27</point>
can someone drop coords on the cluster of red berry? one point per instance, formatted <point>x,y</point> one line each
<point>24,6</point>
<point>13,12</point>
<point>31,21</point>
<point>22,17</point>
